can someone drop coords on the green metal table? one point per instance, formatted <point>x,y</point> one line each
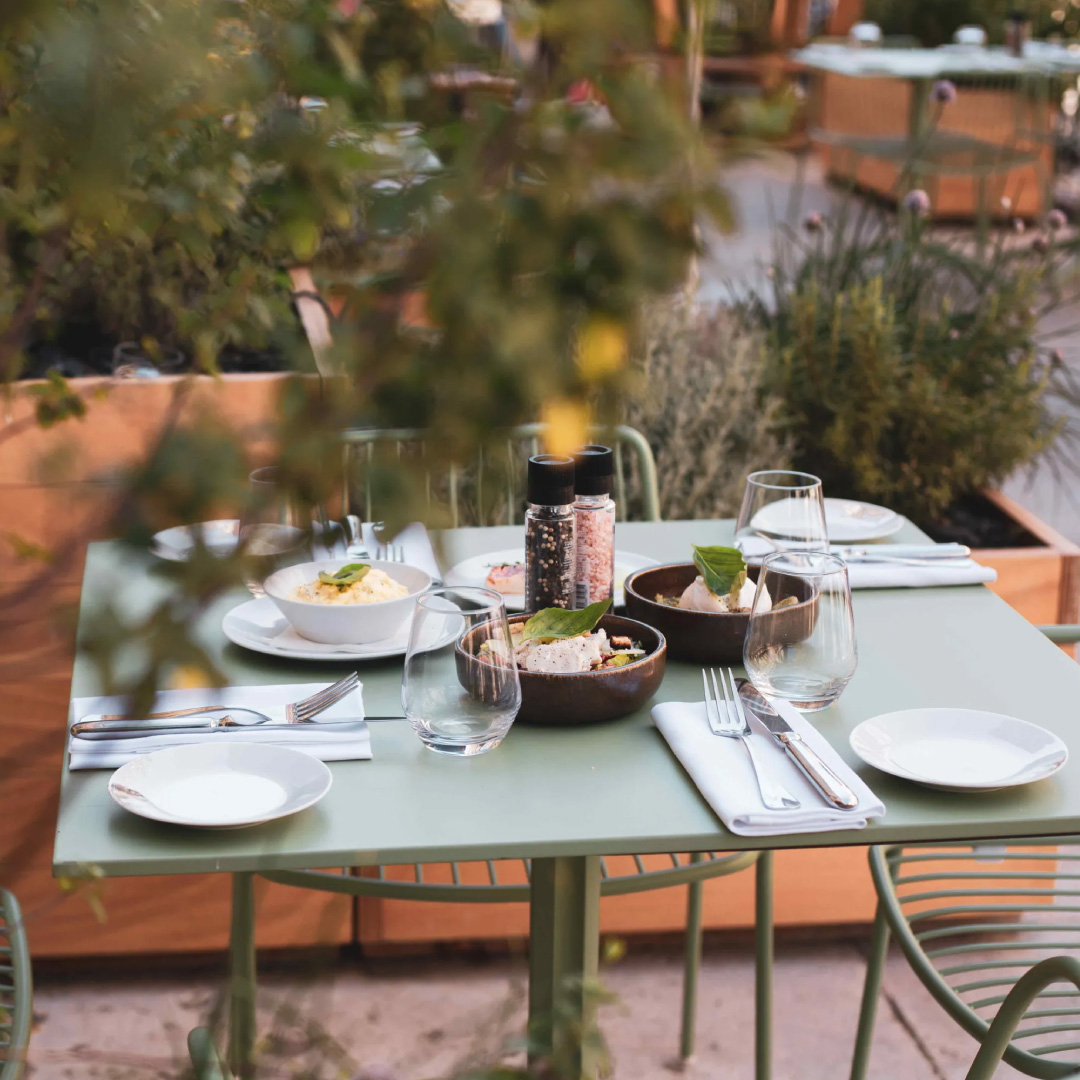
<point>565,797</point>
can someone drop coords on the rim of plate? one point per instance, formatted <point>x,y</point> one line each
<point>1016,779</point>
<point>147,809</point>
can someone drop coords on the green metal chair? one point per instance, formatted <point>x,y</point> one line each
<point>15,989</point>
<point>461,492</point>
<point>491,490</point>
<point>968,919</point>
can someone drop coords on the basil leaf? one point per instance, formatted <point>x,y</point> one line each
<point>346,576</point>
<point>720,567</point>
<point>555,623</point>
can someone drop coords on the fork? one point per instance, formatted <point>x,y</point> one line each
<point>730,721</point>
<point>392,553</point>
<point>299,712</point>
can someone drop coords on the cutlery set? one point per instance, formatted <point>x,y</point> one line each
<point>726,704</point>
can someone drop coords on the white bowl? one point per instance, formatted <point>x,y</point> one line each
<point>345,624</point>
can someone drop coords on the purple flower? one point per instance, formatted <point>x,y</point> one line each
<point>1057,358</point>
<point>1056,219</point>
<point>917,202</point>
<point>814,223</point>
<point>943,92</point>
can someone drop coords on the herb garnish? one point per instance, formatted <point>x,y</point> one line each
<point>346,576</point>
<point>722,568</point>
<point>554,624</point>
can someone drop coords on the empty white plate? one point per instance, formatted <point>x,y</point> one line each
<point>474,572</point>
<point>959,749</point>
<point>850,522</point>
<point>212,785</point>
<point>175,544</point>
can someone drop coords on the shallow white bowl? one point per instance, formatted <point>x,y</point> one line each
<point>345,624</point>
<point>220,784</point>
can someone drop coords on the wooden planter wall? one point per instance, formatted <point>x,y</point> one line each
<point>147,914</point>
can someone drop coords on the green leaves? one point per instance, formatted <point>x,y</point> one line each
<point>723,568</point>
<point>346,576</point>
<point>555,624</point>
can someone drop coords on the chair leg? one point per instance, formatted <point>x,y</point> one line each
<point>242,977</point>
<point>875,969</point>
<point>691,964</point>
<point>763,966</point>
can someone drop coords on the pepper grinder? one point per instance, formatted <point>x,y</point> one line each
<point>549,533</point>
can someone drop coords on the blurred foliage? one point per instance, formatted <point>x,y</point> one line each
<point>910,369</point>
<point>933,22</point>
<point>162,164</point>
<point>701,403</point>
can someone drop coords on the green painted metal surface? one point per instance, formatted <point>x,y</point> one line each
<point>609,789</point>
<point>16,990</point>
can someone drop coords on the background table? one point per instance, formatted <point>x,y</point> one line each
<point>564,797</point>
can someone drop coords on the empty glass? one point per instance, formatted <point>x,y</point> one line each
<point>801,645</point>
<point>781,511</point>
<point>461,690</point>
<point>275,529</point>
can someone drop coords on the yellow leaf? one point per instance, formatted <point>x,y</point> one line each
<point>189,677</point>
<point>567,424</point>
<point>601,348</point>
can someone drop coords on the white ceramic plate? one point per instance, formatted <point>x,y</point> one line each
<point>959,749</point>
<point>259,626</point>
<point>850,522</point>
<point>212,785</point>
<point>175,544</point>
<point>474,571</point>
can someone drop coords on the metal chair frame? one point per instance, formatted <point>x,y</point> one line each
<point>629,445</point>
<point>16,989</point>
<point>970,901</point>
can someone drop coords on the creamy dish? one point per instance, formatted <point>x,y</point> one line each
<point>697,596</point>
<point>374,586</point>
<point>594,651</point>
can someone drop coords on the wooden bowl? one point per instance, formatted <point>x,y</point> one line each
<point>582,697</point>
<point>707,637</point>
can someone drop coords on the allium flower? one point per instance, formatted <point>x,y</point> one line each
<point>943,92</point>
<point>1056,219</point>
<point>917,202</point>
<point>1019,225</point>
<point>814,223</point>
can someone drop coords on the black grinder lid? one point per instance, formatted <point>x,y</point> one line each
<point>594,470</point>
<point>551,480</point>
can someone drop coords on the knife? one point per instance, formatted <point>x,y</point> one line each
<point>132,729</point>
<point>815,770</point>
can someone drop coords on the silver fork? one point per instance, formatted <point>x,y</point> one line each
<point>391,553</point>
<point>299,712</point>
<point>730,721</point>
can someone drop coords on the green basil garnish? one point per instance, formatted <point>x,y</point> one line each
<point>554,624</point>
<point>346,576</point>
<point>723,568</point>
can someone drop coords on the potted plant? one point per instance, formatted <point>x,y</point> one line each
<point>911,372</point>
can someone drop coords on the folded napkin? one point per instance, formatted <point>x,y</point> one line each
<point>883,575</point>
<point>721,769</point>
<point>342,742</point>
<point>415,544</point>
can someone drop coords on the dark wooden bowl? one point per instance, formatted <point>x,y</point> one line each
<point>707,637</point>
<point>583,697</point>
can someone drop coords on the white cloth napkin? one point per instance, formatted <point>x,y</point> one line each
<point>721,769</point>
<point>342,742</point>
<point>416,546</point>
<point>882,575</point>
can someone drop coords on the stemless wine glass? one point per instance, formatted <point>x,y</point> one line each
<point>275,530</point>
<point>781,511</point>
<point>800,646</point>
<point>461,690</point>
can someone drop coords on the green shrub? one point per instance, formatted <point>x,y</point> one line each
<point>910,371</point>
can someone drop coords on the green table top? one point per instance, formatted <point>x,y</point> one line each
<point>608,789</point>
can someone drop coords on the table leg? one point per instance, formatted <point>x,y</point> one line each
<point>564,946</point>
<point>763,967</point>
<point>242,977</point>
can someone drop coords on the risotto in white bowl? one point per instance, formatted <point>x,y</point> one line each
<point>339,602</point>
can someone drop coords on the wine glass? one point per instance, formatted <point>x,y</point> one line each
<point>781,510</point>
<point>461,690</point>
<point>275,529</point>
<point>800,644</point>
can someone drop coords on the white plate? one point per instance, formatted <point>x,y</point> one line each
<point>213,785</point>
<point>850,522</point>
<point>175,544</point>
<point>959,749</point>
<point>474,571</point>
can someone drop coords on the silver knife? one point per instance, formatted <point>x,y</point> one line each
<point>816,771</point>
<point>133,729</point>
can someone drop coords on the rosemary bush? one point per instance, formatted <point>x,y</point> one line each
<point>910,369</point>
<point>701,403</point>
